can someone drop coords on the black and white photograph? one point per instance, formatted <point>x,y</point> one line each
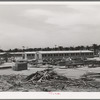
<point>50,47</point>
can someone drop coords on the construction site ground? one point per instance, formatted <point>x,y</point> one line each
<point>8,77</point>
<point>71,72</point>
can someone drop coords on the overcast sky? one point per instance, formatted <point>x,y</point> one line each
<point>49,25</point>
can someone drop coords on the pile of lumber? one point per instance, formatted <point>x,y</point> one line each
<point>91,79</point>
<point>91,76</point>
<point>44,75</point>
<point>49,80</point>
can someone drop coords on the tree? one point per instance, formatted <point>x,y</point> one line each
<point>71,48</point>
<point>60,48</point>
<point>95,48</point>
<point>87,47</point>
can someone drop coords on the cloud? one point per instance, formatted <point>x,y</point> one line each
<point>47,25</point>
<point>34,13</point>
<point>86,15</point>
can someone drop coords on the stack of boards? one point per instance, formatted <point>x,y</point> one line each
<point>20,66</point>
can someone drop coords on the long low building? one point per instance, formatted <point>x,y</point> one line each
<point>65,54</point>
<point>40,55</point>
<point>23,55</point>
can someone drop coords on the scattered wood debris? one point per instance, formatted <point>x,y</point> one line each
<point>47,80</point>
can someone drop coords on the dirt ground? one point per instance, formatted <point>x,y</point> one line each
<point>71,73</point>
<point>14,78</point>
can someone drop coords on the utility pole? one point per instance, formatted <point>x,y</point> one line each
<point>55,47</point>
<point>23,52</point>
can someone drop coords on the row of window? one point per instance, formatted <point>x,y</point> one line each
<point>30,55</point>
<point>16,54</point>
<point>67,54</point>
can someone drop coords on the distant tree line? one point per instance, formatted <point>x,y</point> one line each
<point>94,47</point>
